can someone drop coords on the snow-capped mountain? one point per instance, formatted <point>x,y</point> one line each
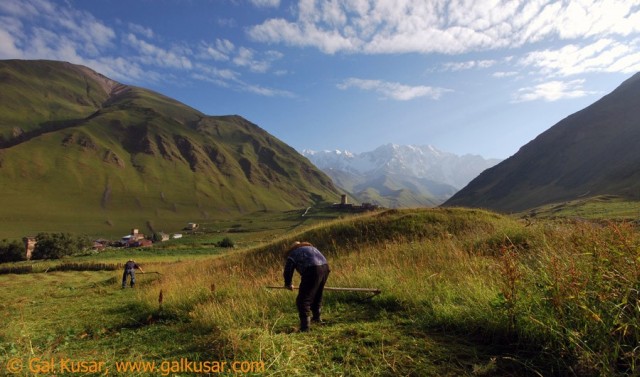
<point>424,172</point>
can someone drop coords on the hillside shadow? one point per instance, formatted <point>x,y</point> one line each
<point>44,128</point>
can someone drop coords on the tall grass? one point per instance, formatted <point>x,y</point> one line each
<point>556,297</point>
<point>419,259</point>
<point>581,290</point>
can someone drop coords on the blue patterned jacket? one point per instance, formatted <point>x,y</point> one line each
<point>300,259</point>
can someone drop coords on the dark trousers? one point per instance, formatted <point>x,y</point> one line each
<point>124,277</point>
<point>310,291</point>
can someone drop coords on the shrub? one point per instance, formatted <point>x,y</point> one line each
<point>11,251</point>
<point>226,242</point>
<point>58,245</point>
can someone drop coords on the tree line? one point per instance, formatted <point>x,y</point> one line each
<point>48,246</point>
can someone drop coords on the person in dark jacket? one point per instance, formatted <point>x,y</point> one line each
<point>314,271</point>
<point>129,270</point>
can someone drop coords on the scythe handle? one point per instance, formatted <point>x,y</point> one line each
<point>372,290</point>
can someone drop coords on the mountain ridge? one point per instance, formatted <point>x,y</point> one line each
<point>591,152</point>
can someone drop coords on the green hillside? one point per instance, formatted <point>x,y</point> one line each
<point>35,95</point>
<point>82,153</point>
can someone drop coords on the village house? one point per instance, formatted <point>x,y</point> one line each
<point>191,226</point>
<point>163,237</point>
<point>133,238</point>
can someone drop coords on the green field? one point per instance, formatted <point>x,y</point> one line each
<point>464,292</point>
<point>603,207</point>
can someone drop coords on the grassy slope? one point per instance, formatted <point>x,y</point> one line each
<point>464,293</point>
<point>26,100</point>
<point>144,160</point>
<point>603,207</point>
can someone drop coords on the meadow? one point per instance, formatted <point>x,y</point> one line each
<point>464,292</point>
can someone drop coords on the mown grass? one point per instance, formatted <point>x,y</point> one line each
<point>464,292</point>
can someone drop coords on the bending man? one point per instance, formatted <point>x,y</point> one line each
<point>314,271</point>
<point>130,270</point>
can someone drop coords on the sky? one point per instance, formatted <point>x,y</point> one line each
<point>480,77</point>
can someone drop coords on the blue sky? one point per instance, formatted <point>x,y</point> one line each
<point>479,77</point>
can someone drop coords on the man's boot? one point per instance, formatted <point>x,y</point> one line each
<point>316,317</point>
<point>304,323</point>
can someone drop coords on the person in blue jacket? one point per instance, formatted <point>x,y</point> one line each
<point>130,270</point>
<point>314,271</point>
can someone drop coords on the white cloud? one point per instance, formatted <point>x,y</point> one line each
<point>246,57</point>
<point>21,8</point>
<point>216,73</point>
<point>504,74</point>
<point>627,64</point>
<point>304,35</point>
<point>605,55</point>
<point>267,92</point>
<point>230,79</point>
<point>221,51</point>
<point>214,53</point>
<point>45,29</point>
<point>9,43</point>
<point>8,47</point>
<point>225,46</point>
<point>552,91</point>
<point>97,32</point>
<point>142,30</point>
<point>445,26</point>
<point>393,90</point>
<point>83,28</point>
<point>154,55</point>
<point>210,79</point>
<point>470,64</point>
<point>39,29</point>
<point>266,3</point>
<point>226,22</point>
<point>224,50</point>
